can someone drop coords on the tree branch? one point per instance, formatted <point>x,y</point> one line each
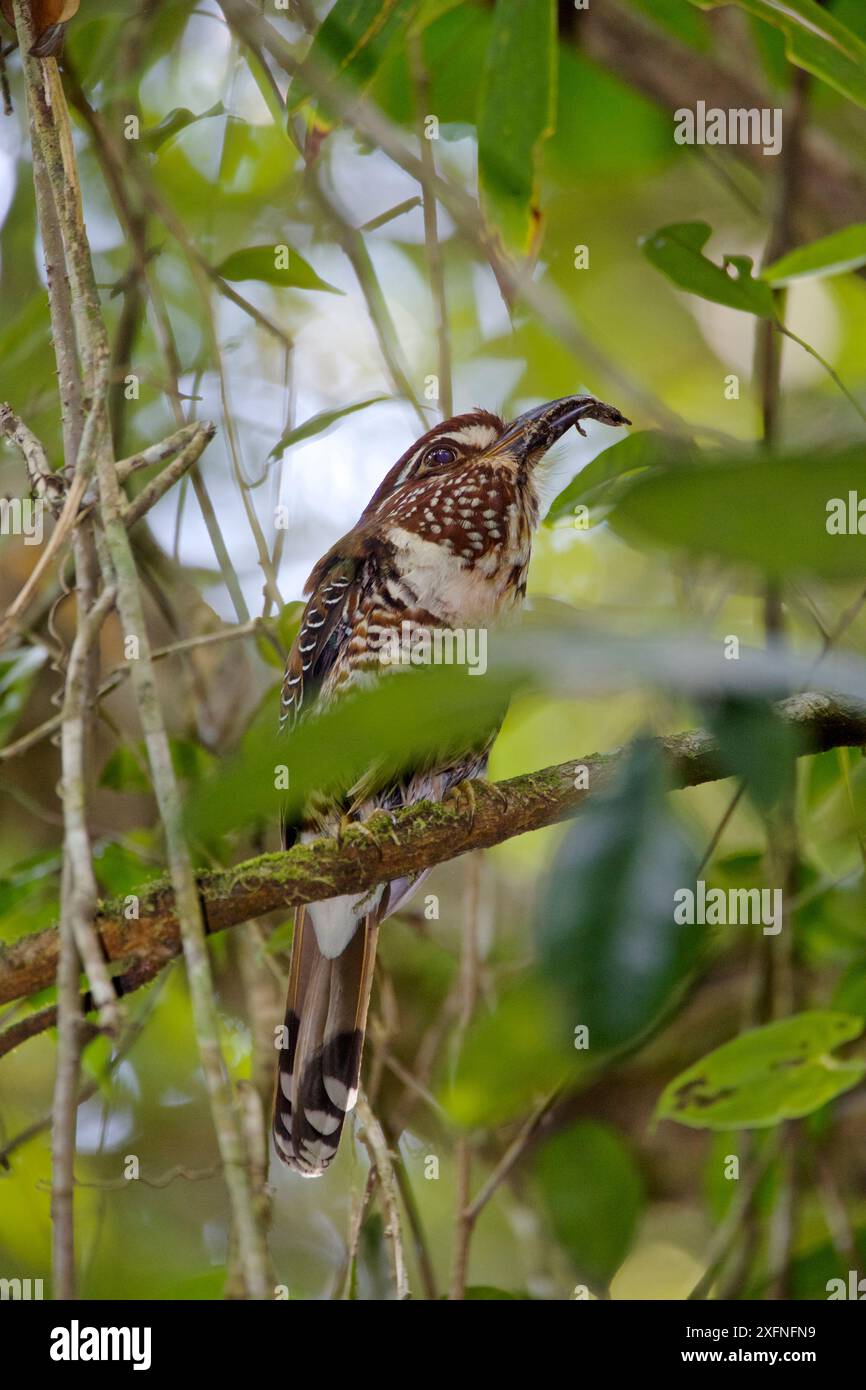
<point>416,837</point>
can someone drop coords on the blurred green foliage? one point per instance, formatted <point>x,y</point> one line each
<point>684,519</point>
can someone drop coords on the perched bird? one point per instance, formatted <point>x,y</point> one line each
<point>444,543</point>
<point>50,18</point>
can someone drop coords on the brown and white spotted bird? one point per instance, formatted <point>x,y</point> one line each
<point>444,543</point>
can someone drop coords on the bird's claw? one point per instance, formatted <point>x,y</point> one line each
<point>366,830</point>
<point>464,791</point>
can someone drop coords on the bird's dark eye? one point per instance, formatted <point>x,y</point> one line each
<point>439,455</point>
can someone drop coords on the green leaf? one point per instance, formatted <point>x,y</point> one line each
<point>371,734</point>
<point>770,512</point>
<point>754,745</point>
<point>443,709</point>
<point>281,937</point>
<point>352,40</point>
<point>18,670</point>
<point>779,1072</point>
<point>814,40</point>
<point>176,121</point>
<point>121,870</point>
<point>511,1057</point>
<point>849,996</point>
<point>593,1193</point>
<point>287,624</point>
<point>429,11</point>
<point>454,49</point>
<point>602,123</point>
<point>262,263</point>
<point>830,255</point>
<point>608,941</point>
<point>318,424</point>
<point>517,108</point>
<point>810,1274</point>
<point>679,19</point>
<point>127,768</point>
<point>677,251</point>
<point>625,459</point>
<point>29,876</point>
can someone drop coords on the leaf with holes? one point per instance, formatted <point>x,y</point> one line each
<point>779,1072</point>
<point>677,251</point>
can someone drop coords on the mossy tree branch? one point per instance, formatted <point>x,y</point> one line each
<point>415,838</point>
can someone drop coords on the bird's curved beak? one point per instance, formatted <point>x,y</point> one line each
<point>528,438</point>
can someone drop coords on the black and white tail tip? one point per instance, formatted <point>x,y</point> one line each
<point>308,1119</point>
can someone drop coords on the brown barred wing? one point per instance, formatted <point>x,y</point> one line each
<point>325,626</point>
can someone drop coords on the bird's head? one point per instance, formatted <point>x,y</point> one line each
<point>483,439</point>
<point>469,487</point>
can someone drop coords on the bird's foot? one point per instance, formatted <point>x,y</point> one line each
<point>365,829</point>
<point>501,796</point>
<point>464,792</point>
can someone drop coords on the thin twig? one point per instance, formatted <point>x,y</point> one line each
<point>64,1110</point>
<point>512,1156</point>
<point>468,990</point>
<point>49,487</point>
<point>370,1133</point>
<point>160,485</point>
<point>435,268</point>
<point>77,848</point>
<point>121,673</point>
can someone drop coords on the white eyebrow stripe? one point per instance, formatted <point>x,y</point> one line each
<point>481,436</point>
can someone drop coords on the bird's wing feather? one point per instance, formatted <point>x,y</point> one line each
<point>325,625</point>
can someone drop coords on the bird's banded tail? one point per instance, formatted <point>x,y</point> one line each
<point>320,1064</point>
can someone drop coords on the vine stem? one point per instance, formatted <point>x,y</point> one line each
<point>830,370</point>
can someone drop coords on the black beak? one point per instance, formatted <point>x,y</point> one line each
<point>533,433</point>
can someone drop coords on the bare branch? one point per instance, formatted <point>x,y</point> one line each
<point>372,1136</point>
<point>48,486</point>
<point>150,495</point>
